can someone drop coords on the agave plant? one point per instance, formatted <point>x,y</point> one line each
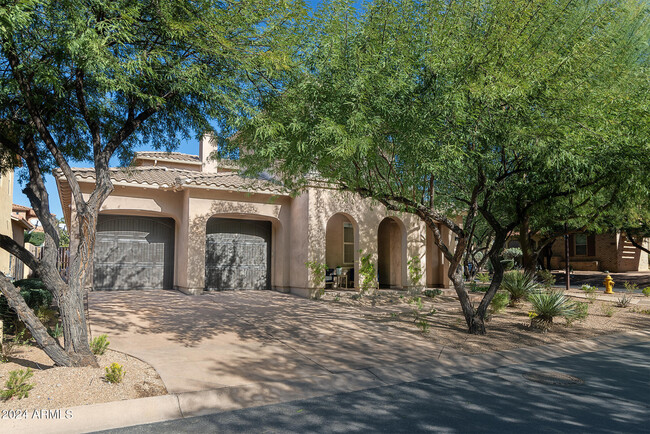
<point>548,305</point>
<point>519,285</point>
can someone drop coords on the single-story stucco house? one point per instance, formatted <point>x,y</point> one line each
<point>187,222</point>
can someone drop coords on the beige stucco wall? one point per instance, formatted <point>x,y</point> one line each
<point>299,232</point>
<point>366,216</point>
<point>6,199</point>
<point>205,204</point>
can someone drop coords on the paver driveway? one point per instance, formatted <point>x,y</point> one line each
<point>235,338</point>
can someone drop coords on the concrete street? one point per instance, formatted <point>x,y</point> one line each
<point>614,397</point>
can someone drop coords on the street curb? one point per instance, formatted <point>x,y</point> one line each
<point>119,414</point>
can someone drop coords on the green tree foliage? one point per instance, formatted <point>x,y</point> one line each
<point>64,236</point>
<point>488,110</point>
<point>85,80</point>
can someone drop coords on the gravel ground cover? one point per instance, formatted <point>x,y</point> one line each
<point>60,388</point>
<point>445,323</point>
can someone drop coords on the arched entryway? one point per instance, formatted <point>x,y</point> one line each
<point>342,246</point>
<point>391,245</point>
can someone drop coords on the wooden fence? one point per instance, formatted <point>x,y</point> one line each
<point>19,270</point>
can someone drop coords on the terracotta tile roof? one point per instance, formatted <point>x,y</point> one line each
<point>175,178</point>
<point>22,222</point>
<point>16,207</point>
<point>173,156</point>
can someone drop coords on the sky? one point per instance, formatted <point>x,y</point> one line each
<point>185,146</point>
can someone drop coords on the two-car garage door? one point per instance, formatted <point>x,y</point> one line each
<point>134,253</point>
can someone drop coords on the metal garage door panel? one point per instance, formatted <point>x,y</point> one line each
<point>237,254</point>
<point>134,253</point>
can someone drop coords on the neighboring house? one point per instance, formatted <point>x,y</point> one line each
<point>19,225</point>
<point>595,252</point>
<point>600,252</point>
<point>28,214</point>
<point>6,198</point>
<point>12,225</point>
<point>179,221</point>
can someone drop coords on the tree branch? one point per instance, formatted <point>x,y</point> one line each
<point>635,244</point>
<point>20,252</point>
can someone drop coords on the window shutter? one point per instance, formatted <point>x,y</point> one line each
<point>572,242</point>
<point>591,245</point>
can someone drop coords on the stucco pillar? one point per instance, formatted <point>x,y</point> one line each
<point>303,243</point>
<point>450,240</point>
<point>190,250</point>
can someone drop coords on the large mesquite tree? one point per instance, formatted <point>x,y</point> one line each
<point>83,80</point>
<point>479,109</point>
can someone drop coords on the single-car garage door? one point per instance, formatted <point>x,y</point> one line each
<point>134,253</point>
<point>237,254</point>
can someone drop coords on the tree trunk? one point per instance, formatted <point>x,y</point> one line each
<point>69,297</point>
<point>476,325</point>
<point>34,325</point>
<point>528,259</point>
<point>71,304</point>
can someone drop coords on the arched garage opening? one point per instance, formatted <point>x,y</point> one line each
<point>391,253</point>
<point>237,254</point>
<point>342,245</point>
<point>133,252</point>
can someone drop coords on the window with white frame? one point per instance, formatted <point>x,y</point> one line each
<point>348,244</point>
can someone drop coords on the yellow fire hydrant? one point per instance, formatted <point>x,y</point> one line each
<point>609,284</point>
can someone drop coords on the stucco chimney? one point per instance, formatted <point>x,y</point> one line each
<point>206,147</point>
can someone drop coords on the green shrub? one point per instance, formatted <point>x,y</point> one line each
<point>546,278</point>
<point>588,289</point>
<point>511,257</point>
<point>17,385</point>
<point>423,325</point>
<point>35,238</point>
<point>418,302</point>
<point>483,277</point>
<point>99,345</point>
<point>367,273</point>
<point>114,373</point>
<point>646,291</point>
<point>580,312</point>
<point>630,287</point>
<point>415,270</point>
<point>35,295</point>
<point>473,287</point>
<point>46,315</point>
<point>548,305</point>
<point>518,284</point>
<point>607,310</point>
<point>55,332</point>
<point>499,302</point>
<point>432,293</point>
<point>624,300</point>
<point>318,270</point>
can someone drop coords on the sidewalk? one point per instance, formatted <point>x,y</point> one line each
<point>596,278</point>
<point>182,405</point>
